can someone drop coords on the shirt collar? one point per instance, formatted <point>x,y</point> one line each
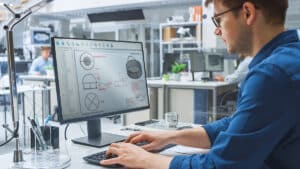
<point>283,38</point>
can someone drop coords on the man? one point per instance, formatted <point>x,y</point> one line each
<point>264,133</point>
<point>40,64</point>
<point>239,74</point>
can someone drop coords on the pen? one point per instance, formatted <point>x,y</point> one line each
<point>40,132</point>
<point>36,133</point>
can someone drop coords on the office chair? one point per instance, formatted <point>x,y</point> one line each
<point>227,103</point>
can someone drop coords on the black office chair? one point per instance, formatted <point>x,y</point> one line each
<point>227,103</point>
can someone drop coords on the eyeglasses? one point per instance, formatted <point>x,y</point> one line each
<point>216,19</point>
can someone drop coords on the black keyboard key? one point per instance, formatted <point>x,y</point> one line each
<point>96,158</point>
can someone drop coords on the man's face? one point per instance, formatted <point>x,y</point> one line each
<point>236,35</point>
<point>45,53</point>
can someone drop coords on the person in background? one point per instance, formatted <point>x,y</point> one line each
<point>40,64</point>
<point>264,132</point>
<point>239,74</point>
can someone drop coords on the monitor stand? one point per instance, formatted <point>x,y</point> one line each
<point>95,137</point>
<point>209,78</point>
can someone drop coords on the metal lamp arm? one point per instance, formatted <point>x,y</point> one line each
<point>17,18</point>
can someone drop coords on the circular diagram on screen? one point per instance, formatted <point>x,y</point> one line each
<point>87,61</point>
<point>92,102</point>
<point>134,68</point>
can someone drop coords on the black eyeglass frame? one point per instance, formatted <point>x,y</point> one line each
<point>214,18</point>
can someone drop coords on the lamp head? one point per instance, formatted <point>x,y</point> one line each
<point>183,31</point>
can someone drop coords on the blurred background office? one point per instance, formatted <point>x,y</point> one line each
<point>171,31</point>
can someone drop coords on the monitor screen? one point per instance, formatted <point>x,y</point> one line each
<point>214,63</point>
<point>169,60</point>
<point>197,61</point>
<point>40,36</point>
<point>96,78</point>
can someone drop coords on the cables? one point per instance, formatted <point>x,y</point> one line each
<point>6,142</point>
<point>14,134</point>
<point>66,129</point>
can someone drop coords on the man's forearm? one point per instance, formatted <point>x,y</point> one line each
<point>196,137</point>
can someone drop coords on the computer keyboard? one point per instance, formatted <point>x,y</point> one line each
<point>96,158</point>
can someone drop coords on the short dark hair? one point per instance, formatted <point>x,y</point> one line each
<point>273,10</point>
<point>45,48</point>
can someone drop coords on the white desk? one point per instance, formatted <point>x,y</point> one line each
<point>166,85</point>
<point>43,78</point>
<point>76,151</point>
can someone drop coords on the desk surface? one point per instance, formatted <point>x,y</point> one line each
<point>37,78</point>
<point>186,84</point>
<point>76,151</point>
<point>25,88</point>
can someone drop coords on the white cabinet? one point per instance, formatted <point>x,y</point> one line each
<point>179,37</point>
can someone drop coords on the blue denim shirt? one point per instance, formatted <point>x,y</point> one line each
<point>39,64</point>
<point>264,132</point>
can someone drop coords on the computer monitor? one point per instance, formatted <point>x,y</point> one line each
<point>169,60</point>
<point>214,63</point>
<point>197,60</point>
<point>22,67</point>
<point>96,78</point>
<point>206,62</point>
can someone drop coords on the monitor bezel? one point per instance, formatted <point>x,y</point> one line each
<point>92,117</point>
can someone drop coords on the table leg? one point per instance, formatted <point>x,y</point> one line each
<point>165,99</point>
<point>214,106</point>
<point>153,103</point>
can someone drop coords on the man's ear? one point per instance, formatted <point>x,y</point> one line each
<point>249,12</point>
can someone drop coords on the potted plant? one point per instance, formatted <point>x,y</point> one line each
<point>176,69</point>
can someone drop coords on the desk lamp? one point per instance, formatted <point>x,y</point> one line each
<point>183,31</point>
<point>17,18</point>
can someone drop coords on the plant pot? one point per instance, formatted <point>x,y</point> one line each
<point>176,76</point>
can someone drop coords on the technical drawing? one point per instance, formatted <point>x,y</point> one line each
<point>134,68</point>
<point>92,102</point>
<point>87,61</point>
<point>89,82</point>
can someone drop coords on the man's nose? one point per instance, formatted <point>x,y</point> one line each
<point>218,32</point>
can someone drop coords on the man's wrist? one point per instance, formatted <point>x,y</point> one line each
<point>152,161</point>
<point>173,137</point>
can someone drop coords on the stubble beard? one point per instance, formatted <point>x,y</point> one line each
<point>245,44</point>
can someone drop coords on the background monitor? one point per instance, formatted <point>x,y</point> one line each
<point>169,60</point>
<point>197,60</point>
<point>39,36</point>
<point>95,79</point>
<point>214,63</point>
<point>206,62</point>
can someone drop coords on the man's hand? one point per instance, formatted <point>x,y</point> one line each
<point>156,140</point>
<point>133,156</point>
<point>219,78</point>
